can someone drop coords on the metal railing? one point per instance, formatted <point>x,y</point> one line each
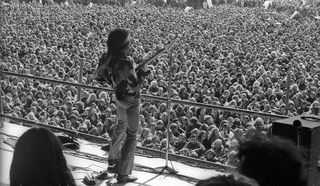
<point>203,105</point>
<point>140,150</point>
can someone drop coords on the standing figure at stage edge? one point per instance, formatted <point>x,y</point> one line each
<point>118,68</point>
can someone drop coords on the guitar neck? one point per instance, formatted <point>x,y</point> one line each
<point>166,48</point>
<point>151,58</point>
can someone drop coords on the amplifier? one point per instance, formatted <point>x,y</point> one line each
<point>309,140</point>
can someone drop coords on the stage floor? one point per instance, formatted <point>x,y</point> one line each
<point>90,157</point>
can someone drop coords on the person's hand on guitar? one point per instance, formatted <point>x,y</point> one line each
<point>143,72</point>
<point>144,67</point>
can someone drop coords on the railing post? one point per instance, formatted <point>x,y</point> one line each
<point>1,103</point>
<point>80,78</point>
<point>169,107</point>
<point>288,90</point>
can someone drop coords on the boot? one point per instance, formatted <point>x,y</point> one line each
<point>126,178</point>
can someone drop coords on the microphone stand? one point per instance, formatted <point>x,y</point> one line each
<point>166,168</point>
<point>1,101</point>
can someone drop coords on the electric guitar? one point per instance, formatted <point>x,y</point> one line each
<point>102,70</point>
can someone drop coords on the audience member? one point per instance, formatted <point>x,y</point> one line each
<point>228,180</point>
<point>38,161</point>
<point>272,162</point>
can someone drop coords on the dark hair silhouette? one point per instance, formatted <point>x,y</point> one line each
<point>38,161</point>
<point>228,180</point>
<point>273,162</point>
<point>117,41</point>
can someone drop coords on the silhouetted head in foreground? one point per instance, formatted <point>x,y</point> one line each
<point>228,180</point>
<point>274,162</point>
<point>38,161</point>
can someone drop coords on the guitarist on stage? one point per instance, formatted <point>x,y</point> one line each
<point>118,68</point>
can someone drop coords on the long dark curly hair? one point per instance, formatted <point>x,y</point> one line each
<point>38,161</point>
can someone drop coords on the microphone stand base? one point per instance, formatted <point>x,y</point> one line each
<point>166,169</point>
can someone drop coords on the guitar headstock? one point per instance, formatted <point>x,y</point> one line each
<point>170,45</point>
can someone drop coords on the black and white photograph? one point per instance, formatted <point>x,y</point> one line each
<point>159,92</point>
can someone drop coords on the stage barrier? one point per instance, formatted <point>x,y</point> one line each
<point>203,105</point>
<point>140,150</point>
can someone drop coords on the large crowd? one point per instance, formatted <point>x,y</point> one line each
<point>229,56</point>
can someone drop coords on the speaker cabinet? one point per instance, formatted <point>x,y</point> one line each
<point>310,140</point>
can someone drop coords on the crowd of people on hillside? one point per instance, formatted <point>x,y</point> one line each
<point>228,56</point>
